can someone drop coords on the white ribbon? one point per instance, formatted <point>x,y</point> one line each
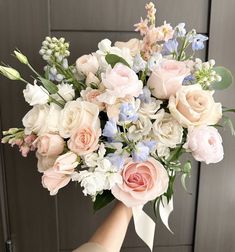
<point>144,226</point>
<point>165,210</point>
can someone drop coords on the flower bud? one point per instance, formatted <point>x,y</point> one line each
<point>10,73</point>
<point>22,58</point>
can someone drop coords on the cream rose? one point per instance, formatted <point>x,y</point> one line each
<point>133,45</point>
<point>84,140</point>
<point>142,182</point>
<point>76,114</point>
<point>49,145</point>
<point>91,95</point>
<point>34,120</point>
<point>120,81</point>
<point>166,79</point>
<point>193,106</point>
<point>167,130</point>
<point>86,64</point>
<point>150,109</point>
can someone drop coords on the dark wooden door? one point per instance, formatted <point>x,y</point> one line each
<point>40,223</point>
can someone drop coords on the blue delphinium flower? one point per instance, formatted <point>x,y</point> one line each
<point>146,96</point>
<point>198,42</point>
<point>116,160</point>
<point>139,64</point>
<point>171,46</point>
<point>151,144</point>
<point>180,31</point>
<point>189,80</point>
<point>110,129</point>
<point>140,153</point>
<point>127,113</point>
<point>154,61</point>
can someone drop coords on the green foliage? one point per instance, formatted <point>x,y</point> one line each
<point>49,86</point>
<point>103,200</point>
<point>170,189</point>
<point>186,170</point>
<point>227,78</point>
<point>228,122</point>
<point>113,59</point>
<point>175,154</point>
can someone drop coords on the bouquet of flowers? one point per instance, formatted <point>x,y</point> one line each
<point>118,120</point>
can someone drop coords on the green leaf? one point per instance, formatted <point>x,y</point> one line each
<point>113,59</point>
<point>187,167</point>
<point>49,86</point>
<point>229,110</point>
<point>103,200</point>
<point>228,122</point>
<point>170,189</point>
<point>175,154</point>
<point>227,78</point>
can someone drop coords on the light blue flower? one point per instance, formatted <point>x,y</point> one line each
<point>180,31</point>
<point>151,144</point>
<point>140,153</point>
<point>198,42</point>
<point>127,113</point>
<point>154,61</point>
<point>110,129</point>
<point>116,160</point>
<point>146,96</point>
<point>189,80</point>
<point>171,46</point>
<point>139,64</point>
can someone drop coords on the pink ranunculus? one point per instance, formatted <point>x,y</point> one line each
<point>142,182</point>
<point>60,174</point>
<point>120,81</point>
<point>49,145</point>
<point>167,79</point>
<point>205,143</point>
<point>84,140</point>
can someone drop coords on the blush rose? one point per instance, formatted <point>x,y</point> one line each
<point>142,182</point>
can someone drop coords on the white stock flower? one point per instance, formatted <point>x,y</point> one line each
<point>167,130</point>
<point>150,109</point>
<point>35,95</point>
<point>140,128</point>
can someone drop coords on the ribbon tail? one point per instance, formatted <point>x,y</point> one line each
<point>165,209</point>
<point>144,226</point>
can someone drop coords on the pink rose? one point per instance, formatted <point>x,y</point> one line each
<point>119,82</point>
<point>60,174</point>
<point>87,64</point>
<point>91,95</point>
<point>84,140</point>
<point>49,145</point>
<point>205,143</point>
<point>142,182</point>
<point>166,79</point>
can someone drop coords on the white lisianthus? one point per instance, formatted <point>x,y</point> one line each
<point>140,128</point>
<point>105,47</point>
<point>76,114</point>
<point>150,109</point>
<point>167,130</point>
<point>34,120</point>
<point>35,95</point>
<point>66,91</point>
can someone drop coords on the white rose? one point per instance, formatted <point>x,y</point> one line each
<point>193,106</point>
<point>140,128</point>
<point>167,130</point>
<point>86,64</point>
<point>150,109</point>
<point>34,120</point>
<point>35,95</point>
<point>65,92</point>
<point>77,114</point>
<point>91,78</point>
<point>44,163</point>
<point>133,45</point>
